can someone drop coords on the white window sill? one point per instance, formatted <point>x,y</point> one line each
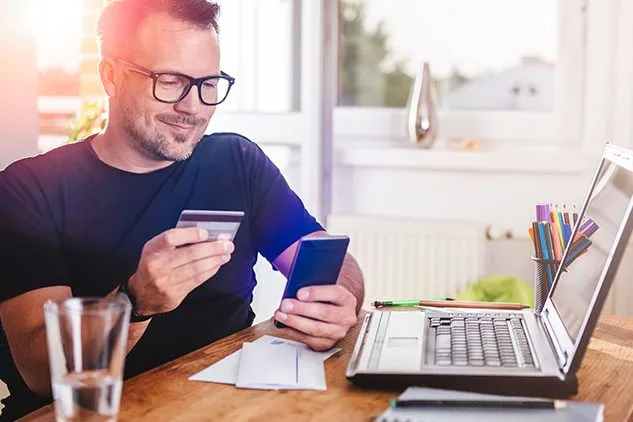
<point>514,159</point>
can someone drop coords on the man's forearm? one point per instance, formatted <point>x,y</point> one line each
<point>136,329</point>
<point>351,277</point>
<point>37,374</point>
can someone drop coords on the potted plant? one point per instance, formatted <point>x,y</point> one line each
<point>90,119</point>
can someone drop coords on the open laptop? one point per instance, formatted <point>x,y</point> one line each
<point>506,352</point>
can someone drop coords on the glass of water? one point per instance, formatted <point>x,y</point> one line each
<point>86,347</point>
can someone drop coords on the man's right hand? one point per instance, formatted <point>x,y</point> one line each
<point>173,264</point>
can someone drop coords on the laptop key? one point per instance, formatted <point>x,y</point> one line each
<point>443,341</point>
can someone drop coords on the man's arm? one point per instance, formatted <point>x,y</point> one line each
<point>351,277</point>
<point>171,265</point>
<point>23,321</point>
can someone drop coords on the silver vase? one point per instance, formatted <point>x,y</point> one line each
<point>421,109</point>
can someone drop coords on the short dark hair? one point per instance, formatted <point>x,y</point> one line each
<point>120,20</point>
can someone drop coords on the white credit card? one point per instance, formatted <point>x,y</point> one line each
<point>219,224</point>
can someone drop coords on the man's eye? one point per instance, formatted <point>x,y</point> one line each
<point>167,81</point>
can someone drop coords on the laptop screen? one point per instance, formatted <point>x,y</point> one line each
<point>575,289</point>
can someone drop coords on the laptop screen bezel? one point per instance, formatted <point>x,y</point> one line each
<point>572,351</point>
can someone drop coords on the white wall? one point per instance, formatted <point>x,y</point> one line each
<point>503,199</point>
<point>18,85</point>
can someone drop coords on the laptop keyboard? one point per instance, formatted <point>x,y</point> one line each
<point>494,340</point>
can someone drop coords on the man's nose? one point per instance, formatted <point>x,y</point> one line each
<point>191,104</point>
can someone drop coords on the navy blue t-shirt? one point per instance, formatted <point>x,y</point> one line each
<point>67,218</point>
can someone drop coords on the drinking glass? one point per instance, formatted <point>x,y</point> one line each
<point>86,347</point>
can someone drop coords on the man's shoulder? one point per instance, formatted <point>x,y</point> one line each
<point>44,163</point>
<point>42,171</point>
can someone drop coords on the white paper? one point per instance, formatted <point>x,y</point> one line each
<point>311,371</point>
<point>267,366</point>
<point>223,371</point>
<point>280,367</point>
<point>311,374</point>
<point>276,340</point>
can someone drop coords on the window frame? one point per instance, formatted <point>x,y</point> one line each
<point>303,127</point>
<point>563,125</point>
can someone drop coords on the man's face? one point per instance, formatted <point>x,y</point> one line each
<point>168,132</point>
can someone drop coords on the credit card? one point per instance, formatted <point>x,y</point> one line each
<point>219,224</point>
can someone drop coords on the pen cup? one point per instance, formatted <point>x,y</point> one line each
<point>541,280</point>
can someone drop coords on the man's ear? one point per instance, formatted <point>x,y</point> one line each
<point>110,77</point>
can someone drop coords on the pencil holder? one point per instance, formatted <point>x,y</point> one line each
<point>541,280</point>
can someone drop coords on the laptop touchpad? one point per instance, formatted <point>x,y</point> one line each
<point>402,342</point>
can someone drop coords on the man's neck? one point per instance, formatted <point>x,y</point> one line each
<point>119,151</point>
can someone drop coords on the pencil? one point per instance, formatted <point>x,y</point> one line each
<point>537,241</point>
<point>407,302</point>
<point>502,403</point>
<point>451,304</point>
<point>474,304</point>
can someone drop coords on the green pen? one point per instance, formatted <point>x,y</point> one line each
<point>404,303</point>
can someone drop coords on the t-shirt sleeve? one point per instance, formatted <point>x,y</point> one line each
<point>31,254</point>
<point>278,216</point>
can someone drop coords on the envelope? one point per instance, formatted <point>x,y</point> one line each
<point>309,372</point>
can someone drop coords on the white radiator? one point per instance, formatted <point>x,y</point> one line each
<point>405,259</point>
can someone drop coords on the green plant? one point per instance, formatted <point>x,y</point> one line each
<point>90,119</point>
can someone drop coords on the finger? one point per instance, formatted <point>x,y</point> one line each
<point>312,327</point>
<point>192,271</point>
<point>315,343</point>
<point>188,286</point>
<point>325,312</point>
<point>336,294</point>
<point>173,238</point>
<point>196,252</point>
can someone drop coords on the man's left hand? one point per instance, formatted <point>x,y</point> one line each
<point>320,316</point>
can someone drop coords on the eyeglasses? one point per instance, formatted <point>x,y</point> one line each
<point>170,87</point>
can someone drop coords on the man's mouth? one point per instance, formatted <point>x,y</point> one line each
<point>180,126</point>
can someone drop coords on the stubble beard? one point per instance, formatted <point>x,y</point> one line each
<point>158,145</point>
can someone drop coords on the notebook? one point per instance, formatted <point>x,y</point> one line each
<point>573,412</point>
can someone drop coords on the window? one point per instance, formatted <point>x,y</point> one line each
<point>263,53</point>
<point>263,48</point>
<point>271,48</point>
<point>502,70</point>
<point>58,28</point>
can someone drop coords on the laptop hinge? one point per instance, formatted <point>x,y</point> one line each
<point>561,356</point>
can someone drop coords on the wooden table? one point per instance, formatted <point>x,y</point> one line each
<point>165,394</point>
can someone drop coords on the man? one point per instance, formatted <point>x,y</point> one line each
<point>95,217</point>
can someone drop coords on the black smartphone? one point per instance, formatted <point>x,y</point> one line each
<point>317,262</point>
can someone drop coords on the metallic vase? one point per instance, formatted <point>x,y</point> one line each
<point>421,109</point>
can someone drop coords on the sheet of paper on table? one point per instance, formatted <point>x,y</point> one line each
<point>270,363</point>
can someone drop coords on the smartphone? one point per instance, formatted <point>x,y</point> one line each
<point>317,261</point>
<point>219,224</point>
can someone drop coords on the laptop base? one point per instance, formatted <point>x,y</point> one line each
<point>541,386</point>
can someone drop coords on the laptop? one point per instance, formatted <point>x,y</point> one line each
<point>509,352</point>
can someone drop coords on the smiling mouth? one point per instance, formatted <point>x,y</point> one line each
<point>181,127</point>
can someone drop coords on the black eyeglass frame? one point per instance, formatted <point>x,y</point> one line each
<point>192,82</point>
